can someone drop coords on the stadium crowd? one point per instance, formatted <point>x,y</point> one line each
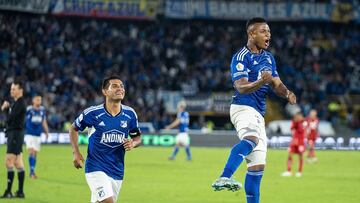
<point>65,60</point>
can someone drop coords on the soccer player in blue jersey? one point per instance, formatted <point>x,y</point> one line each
<point>35,124</point>
<point>182,138</point>
<point>253,72</point>
<point>113,129</point>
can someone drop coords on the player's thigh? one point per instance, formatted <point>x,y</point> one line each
<point>108,200</point>
<point>100,186</point>
<point>10,160</point>
<point>249,123</point>
<point>182,139</point>
<point>19,162</point>
<point>301,149</point>
<point>256,158</point>
<point>33,142</point>
<point>116,186</point>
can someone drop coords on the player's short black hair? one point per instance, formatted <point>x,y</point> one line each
<point>37,94</point>
<point>19,83</point>
<point>106,81</point>
<point>253,21</point>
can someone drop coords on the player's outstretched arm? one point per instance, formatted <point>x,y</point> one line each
<point>173,124</point>
<point>78,158</point>
<point>246,87</point>
<point>282,91</point>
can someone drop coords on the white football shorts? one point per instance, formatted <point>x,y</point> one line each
<point>32,141</point>
<point>102,186</point>
<point>249,122</point>
<point>182,139</point>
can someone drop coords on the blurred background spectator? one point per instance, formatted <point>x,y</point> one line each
<point>66,59</point>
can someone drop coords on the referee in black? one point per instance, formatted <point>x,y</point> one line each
<point>15,137</point>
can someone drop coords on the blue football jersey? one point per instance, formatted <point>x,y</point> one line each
<point>34,119</point>
<point>184,121</point>
<point>245,64</point>
<point>106,136</point>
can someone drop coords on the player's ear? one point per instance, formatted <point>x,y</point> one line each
<point>104,92</point>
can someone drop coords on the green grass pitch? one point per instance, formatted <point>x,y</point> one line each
<point>151,178</point>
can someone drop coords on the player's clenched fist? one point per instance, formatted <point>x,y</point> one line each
<point>5,105</point>
<point>78,160</point>
<point>266,77</point>
<point>291,97</point>
<point>128,144</point>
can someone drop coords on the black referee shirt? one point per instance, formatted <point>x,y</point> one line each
<point>16,117</point>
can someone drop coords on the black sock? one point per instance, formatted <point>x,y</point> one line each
<point>21,177</point>
<point>10,179</point>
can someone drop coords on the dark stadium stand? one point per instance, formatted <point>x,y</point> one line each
<point>66,58</point>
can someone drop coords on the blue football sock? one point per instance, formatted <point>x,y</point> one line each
<point>188,153</point>
<point>252,186</point>
<point>237,154</point>
<point>32,163</point>
<point>176,150</point>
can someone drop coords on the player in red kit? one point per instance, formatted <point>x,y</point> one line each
<point>297,144</point>
<point>313,134</point>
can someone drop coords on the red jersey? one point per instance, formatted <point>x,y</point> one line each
<point>299,131</point>
<point>313,125</point>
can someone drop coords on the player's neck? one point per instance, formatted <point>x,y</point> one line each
<point>253,48</point>
<point>113,108</point>
<point>17,97</point>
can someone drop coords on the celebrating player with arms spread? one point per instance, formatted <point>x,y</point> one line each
<point>253,72</point>
<point>113,129</point>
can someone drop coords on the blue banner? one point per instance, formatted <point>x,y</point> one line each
<point>215,9</point>
<point>135,9</point>
<point>32,6</point>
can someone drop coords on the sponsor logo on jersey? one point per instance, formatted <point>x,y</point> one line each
<point>36,119</point>
<point>112,138</point>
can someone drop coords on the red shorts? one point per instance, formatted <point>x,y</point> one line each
<point>297,149</point>
<point>312,137</point>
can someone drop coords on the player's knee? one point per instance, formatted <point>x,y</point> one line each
<point>252,138</point>
<point>260,167</point>
<point>19,166</point>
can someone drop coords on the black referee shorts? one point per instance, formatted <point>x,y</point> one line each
<point>15,140</point>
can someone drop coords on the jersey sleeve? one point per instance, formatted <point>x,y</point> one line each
<point>28,114</point>
<point>82,121</point>
<point>239,67</point>
<point>44,114</point>
<point>134,129</point>
<point>273,66</point>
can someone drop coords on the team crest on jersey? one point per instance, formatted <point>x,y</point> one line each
<point>112,138</point>
<point>123,124</point>
<point>240,67</point>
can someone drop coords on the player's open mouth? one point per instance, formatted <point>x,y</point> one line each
<point>267,42</point>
